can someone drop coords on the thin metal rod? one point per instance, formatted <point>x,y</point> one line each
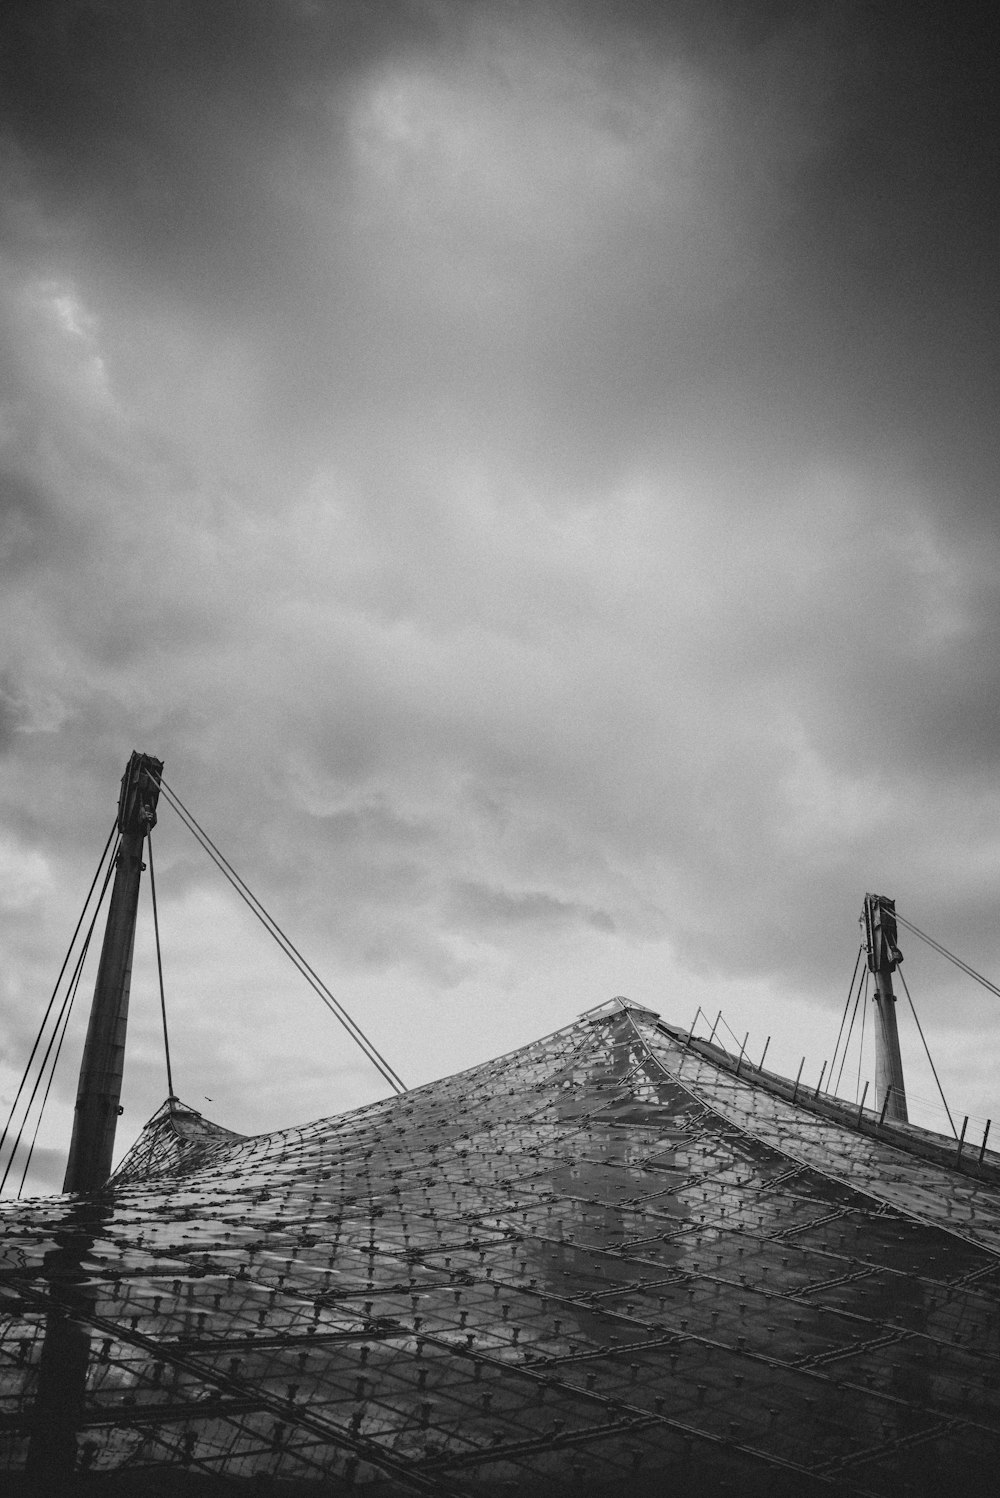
<point>961,1140</point>
<point>885,1103</point>
<point>690,1034</point>
<point>171,1095</point>
<point>986,1135</point>
<point>760,1065</point>
<point>820,1082</point>
<point>861,1105</point>
<point>739,1059</point>
<point>798,1078</point>
<point>927,1049</point>
<point>714,1027</point>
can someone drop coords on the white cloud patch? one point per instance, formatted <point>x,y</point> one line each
<point>25,877</point>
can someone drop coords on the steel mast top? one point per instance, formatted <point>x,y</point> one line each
<point>884,957</point>
<point>99,1091</point>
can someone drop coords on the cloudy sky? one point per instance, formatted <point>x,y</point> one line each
<point>529,470</point>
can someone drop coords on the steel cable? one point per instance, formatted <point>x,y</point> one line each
<point>291,951</point>
<point>55,989</point>
<point>850,1028</point>
<point>964,966</point>
<point>861,1052</point>
<point>61,1020</point>
<point>68,1007</point>
<point>843,1017</point>
<point>927,1049</point>
<point>159,967</point>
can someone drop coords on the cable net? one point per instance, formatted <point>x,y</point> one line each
<point>600,1264</point>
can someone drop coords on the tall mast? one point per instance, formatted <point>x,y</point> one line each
<point>884,957</point>
<point>99,1091</point>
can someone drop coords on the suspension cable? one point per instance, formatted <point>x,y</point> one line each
<point>62,1018</point>
<point>289,948</point>
<point>940,1089</point>
<point>55,989</point>
<point>850,1028</point>
<point>843,1017</point>
<point>291,951</point>
<point>861,1051</point>
<point>171,1095</point>
<point>68,1008</point>
<point>736,1038</point>
<point>993,988</point>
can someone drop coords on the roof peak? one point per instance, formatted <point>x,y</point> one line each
<point>616,1005</point>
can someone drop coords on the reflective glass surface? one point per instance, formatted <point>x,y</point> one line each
<point>601,1264</point>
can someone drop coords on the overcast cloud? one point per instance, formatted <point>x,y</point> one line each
<point>530,472</point>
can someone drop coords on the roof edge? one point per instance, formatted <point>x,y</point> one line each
<point>938,1149</point>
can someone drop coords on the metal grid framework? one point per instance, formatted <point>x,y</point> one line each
<point>600,1264</point>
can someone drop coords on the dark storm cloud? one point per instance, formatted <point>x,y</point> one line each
<point>160,113</point>
<point>529,470</point>
<point>771,248</point>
